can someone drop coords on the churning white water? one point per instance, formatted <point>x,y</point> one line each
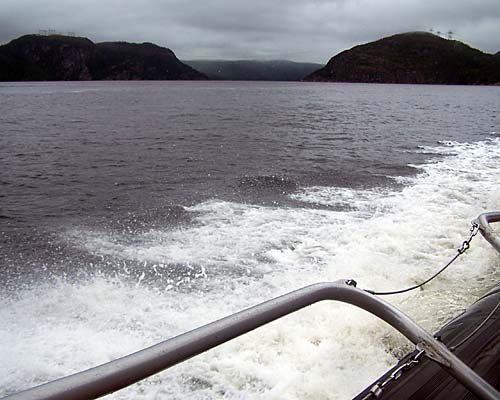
<point>235,255</point>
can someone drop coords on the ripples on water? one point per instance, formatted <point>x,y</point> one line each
<point>131,212</point>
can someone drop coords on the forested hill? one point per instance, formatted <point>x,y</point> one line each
<point>415,57</point>
<point>63,58</point>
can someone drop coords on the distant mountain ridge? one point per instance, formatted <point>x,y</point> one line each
<point>63,58</point>
<point>254,70</point>
<point>413,58</point>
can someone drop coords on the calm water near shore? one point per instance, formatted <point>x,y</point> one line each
<point>133,211</point>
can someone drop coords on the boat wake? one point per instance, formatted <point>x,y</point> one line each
<point>158,283</point>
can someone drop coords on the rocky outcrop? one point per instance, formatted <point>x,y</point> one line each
<point>416,57</point>
<point>64,58</point>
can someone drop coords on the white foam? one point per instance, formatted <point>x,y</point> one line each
<point>384,240</point>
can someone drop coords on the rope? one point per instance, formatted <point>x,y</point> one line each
<point>416,286</point>
<point>465,246</point>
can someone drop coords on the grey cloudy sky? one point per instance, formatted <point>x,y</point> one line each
<point>302,30</point>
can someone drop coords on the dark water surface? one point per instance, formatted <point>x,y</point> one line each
<point>91,149</point>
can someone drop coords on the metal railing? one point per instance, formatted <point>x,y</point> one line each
<point>486,230</point>
<point>117,374</point>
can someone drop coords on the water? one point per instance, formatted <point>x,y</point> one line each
<point>132,212</point>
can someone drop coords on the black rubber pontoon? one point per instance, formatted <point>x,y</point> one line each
<point>425,380</point>
<point>473,336</point>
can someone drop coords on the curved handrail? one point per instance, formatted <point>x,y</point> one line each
<point>486,230</point>
<point>125,371</point>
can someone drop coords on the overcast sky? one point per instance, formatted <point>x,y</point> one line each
<point>301,30</point>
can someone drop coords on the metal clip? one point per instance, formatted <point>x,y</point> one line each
<point>432,354</point>
<point>474,229</point>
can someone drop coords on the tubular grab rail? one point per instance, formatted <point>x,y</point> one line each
<point>486,230</point>
<point>117,374</point>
